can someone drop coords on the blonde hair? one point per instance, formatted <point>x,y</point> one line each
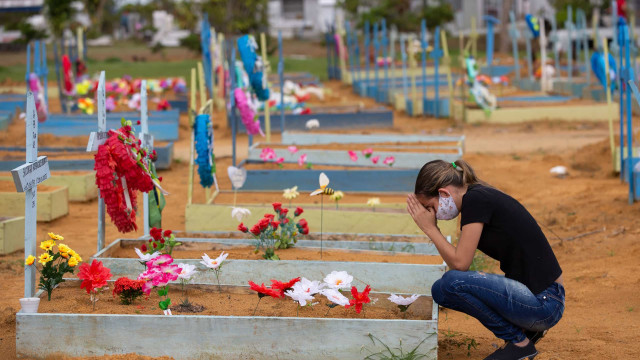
<point>437,174</point>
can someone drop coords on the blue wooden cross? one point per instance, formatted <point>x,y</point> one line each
<point>367,43</point>
<point>584,38</point>
<point>385,53</point>
<point>491,21</point>
<point>626,76</point>
<point>425,46</point>
<point>405,85</point>
<point>515,35</point>
<point>614,12</point>
<point>350,50</point>
<point>376,48</point>
<point>357,57</point>
<point>281,78</point>
<point>436,54</point>
<point>555,40</point>
<point>570,27</point>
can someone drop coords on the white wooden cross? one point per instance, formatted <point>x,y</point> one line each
<point>147,144</point>
<point>96,139</point>
<point>26,178</point>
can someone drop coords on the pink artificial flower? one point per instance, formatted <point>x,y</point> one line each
<point>302,160</point>
<point>159,261</point>
<point>367,152</point>
<point>389,160</point>
<point>280,161</point>
<point>293,149</point>
<point>375,159</point>
<point>110,104</point>
<point>267,154</point>
<point>353,155</point>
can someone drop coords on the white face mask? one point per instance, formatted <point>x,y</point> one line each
<point>447,208</point>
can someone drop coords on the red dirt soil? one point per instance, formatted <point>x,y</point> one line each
<point>602,316</point>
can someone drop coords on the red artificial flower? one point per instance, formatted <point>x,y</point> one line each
<point>242,228</point>
<point>143,248</point>
<point>161,241</point>
<point>264,223</point>
<point>303,223</point>
<point>255,230</point>
<point>93,276</point>
<point>160,178</point>
<point>269,216</point>
<point>282,286</point>
<point>298,211</point>
<point>277,206</point>
<point>138,122</point>
<point>284,212</point>
<point>124,284</point>
<point>139,142</point>
<point>167,233</point>
<point>285,221</point>
<point>155,245</point>
<point>275,224</point>
<point>359,298</point>
<point>263,290</point>
<point>156,233</point>
<point>305,230</point>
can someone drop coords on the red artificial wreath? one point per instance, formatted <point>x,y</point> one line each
<point>121,157</point>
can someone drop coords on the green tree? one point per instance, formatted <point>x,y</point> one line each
<point>59,13</point>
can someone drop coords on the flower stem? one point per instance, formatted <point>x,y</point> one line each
<point>254,310</point>
<point>327,313</point>
<point>297,309</point>
<point>321,219</point>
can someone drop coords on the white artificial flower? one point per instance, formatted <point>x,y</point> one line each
<point>146,257</point>
<point>213,263</point>
<point>186,271</point>
<point>240,213</point>
<point>307,286</point>
<point>313,123</point>
<point>399,300</point>
<point>291,193</point>
<point>298,295</point>
<point>373,201</point>
<point>338,280</point>
<point>335,296</point>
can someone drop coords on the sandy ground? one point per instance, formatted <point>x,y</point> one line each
<point>602,316</point>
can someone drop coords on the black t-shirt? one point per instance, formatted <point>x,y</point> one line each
<point>511,236</point>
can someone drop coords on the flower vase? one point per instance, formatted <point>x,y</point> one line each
<point>29,305</point>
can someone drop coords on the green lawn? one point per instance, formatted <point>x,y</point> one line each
<point>115,67</point>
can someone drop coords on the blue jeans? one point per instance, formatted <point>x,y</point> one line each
<point>504,306</point>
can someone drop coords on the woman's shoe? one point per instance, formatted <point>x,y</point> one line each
<point>512,352</point>
<point>535,336</point>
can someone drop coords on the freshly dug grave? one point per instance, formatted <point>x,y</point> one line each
<point>310,236</point>
<point>68,298</point>
<point>186,251</point>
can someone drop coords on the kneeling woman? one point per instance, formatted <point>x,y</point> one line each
<point>518,307</point>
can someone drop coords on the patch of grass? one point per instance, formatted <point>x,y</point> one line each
<point>464,341</point>
<point>481,262</point>
<point>630,309</point>
<point>397,353</point>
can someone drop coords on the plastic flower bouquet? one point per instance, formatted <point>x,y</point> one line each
<point>274,233</point>
<point>54,264</point>
<point>161,241</point>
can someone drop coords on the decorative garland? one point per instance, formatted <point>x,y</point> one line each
<point>69,87</point>
<point>251,123</point>
<point>254,66</point>
<point>204,150</point>
<point>121,169</point>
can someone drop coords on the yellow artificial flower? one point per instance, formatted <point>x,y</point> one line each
<point>30,260</point>
<point>73,262</point>
<point>45,258</point>
<point>75,255</point>
<point>291,193</point>
<point>56,237</point>
<point>64,250</point>
<point>47,245</point>
<point>373,201</point>
<point>337,196</point>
